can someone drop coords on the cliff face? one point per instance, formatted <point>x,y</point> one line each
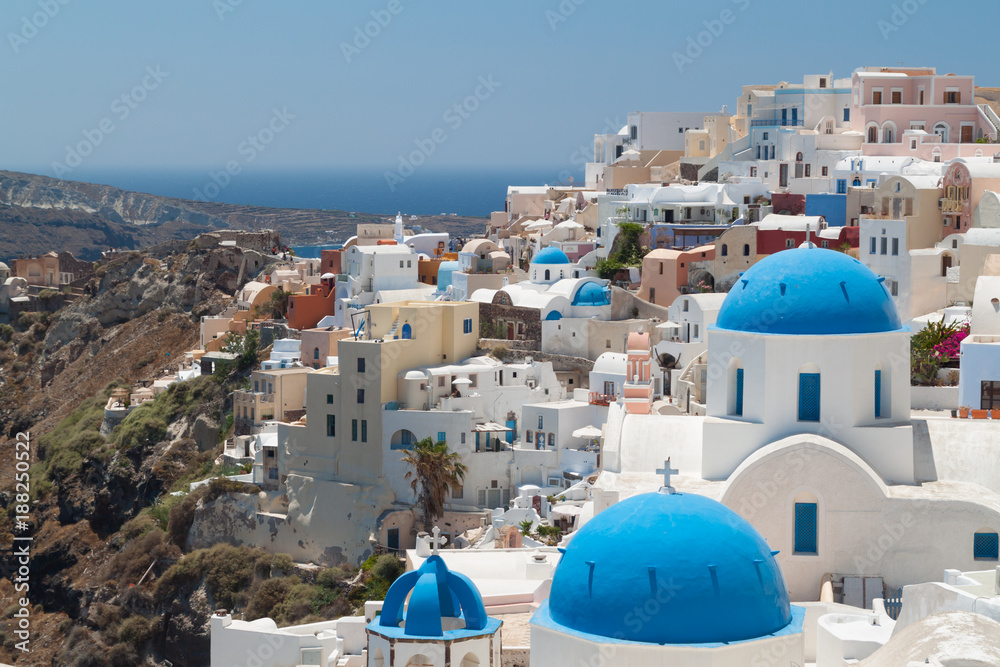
<point>39,214</point>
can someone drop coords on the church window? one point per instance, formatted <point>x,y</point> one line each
<point>547,274</point>
<point>878,394</point>
<point>738,411</point>
<point>805,528</point>
<point>985,546</point>
<point>809,387</point>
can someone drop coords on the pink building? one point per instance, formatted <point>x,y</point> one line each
<point>915,111</point>
<point>637,392</point>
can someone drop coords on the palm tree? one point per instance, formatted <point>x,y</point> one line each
<point>433,471</point>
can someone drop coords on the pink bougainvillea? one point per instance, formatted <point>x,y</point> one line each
<point>950,347</point>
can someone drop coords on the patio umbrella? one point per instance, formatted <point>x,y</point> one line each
<point>589,432</point>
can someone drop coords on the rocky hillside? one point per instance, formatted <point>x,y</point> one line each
<point>39,214</point>
<point>116,578</point>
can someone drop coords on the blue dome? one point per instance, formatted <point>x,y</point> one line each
<point>809,291</point>
<point>550,255</point>
<point>445,269</point>
<point>437,593</point>
<point>669,569</point>
<point>592,294</point>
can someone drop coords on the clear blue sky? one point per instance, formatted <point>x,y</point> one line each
<point>224,76</point>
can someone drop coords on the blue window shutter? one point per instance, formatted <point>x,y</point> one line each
<point>805,528</point>
<point>985,546</point>
<point>878,394</point>
<point>739,393</point>
<point>440,436</point>
<point>809,397</point>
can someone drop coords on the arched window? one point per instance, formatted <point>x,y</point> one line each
<point>941,129</point>
<point>889,133</point>
<point>882,393</point>
<point>746,249</point>
<point>809,393</point>
<point>735,398</point>
<point>470,660</point>
<point>377,659</point>
<point>798,157</point>
<point>547,274</point>
<point>316,353</point>
<point>407,332</point>
<point>725,250</point>
<point>552,439</point>
<point>420,660</point>
<point>856,182</point>
<point>872,134</point>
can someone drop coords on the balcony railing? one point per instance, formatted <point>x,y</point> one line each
<point>597,398</point>
<point>776,122</point>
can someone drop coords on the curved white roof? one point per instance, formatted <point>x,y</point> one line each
<point>773,221</point>
<point>983,236</point>
<point>611,363</point>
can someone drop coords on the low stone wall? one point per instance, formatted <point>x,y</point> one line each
<point>489,343</point>
<point>934,398</point>
<point>560,362</point>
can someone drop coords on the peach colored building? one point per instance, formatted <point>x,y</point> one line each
<point>964,185</point>
<point>318,344</point>
<point>42,270</point>
<point>638,389</point>
<point>666,274</point>
<point>306,310</point>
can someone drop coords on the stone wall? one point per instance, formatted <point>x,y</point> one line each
<point>261,241</point>
<point>529,317</point>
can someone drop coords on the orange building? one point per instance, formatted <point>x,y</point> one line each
<point>306,310</point>
<point>330,261</point>
<point>666,273</point>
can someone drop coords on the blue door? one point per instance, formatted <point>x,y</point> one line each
<point>407,332</point>
<point>809,397</point>
<point>511,424</point>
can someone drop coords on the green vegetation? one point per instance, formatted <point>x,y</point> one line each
<point>626,251</point>
<point>147,424</point>
<point>935,347</point>
<point>246,346</point>
<point>433,471</point>
<point>276,307</point>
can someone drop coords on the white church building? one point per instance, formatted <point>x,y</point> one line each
<point>809,436</point>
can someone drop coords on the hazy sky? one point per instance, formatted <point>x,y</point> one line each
<point>185,83</point>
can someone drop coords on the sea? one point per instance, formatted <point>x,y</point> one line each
<point>429,191</point>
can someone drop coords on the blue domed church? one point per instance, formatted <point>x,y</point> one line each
<point>808,341</point>
<point>667,579</point>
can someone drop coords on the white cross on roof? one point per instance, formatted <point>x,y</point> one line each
<point>667,471</point>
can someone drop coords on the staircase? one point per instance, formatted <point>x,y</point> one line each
<point>392,331</point>
<point>991,116</point>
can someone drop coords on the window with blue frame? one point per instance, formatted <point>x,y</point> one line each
<point>878,394</point>
<point>329,399</point>
<point>739,393</point>
<point>354,430</point>
<point>805,528</point>
<point>467,325</point>
<point>841,186</point>
<point>847,114</point>
<point>985,546</point>
<point>331,426</point>
<point>361,395</point>
<point>539,422</point>
<point>871,251</point>
<point>364,430</point>
<point>809,397</point>
<point>440,436</point>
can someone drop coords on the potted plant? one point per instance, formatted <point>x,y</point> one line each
<point>963,412</point>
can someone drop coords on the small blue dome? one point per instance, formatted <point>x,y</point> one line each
<point>592,294</point>
<point>809,291</point>
<point>669,569</point>
<point>445,269</point>
<point>437,593</point>
<point>550,255</point>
